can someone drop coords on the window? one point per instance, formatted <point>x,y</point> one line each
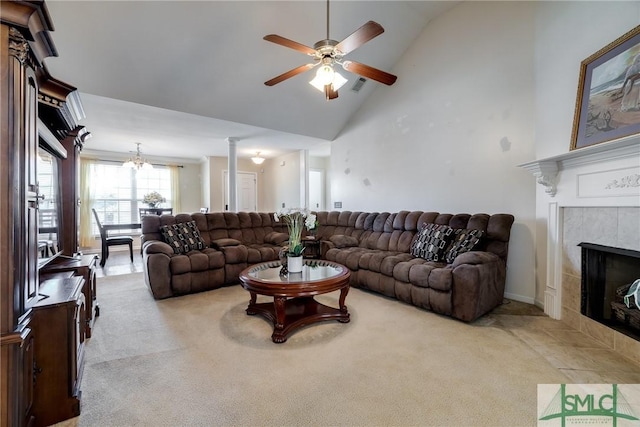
<point>117,192</point>
<point>47,187</point>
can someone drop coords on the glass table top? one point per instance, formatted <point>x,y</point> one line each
<point>312,270</point>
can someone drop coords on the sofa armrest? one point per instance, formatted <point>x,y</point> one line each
<point>223,243</point>
<point>156,258</point>
<point>478,284</point>
<point>474,258</point>
<point>157,247</point>
<point>325,245</point>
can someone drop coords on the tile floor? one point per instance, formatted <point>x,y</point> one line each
<point>581,358</point>
<point>120,263</point>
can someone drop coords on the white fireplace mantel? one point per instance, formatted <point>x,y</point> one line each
<point>602,175</point>
<point>546,170</point>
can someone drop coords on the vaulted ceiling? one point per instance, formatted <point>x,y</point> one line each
<point>182,76</point>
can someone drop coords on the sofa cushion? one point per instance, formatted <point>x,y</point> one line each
<point>441,279</point>
<point>276,238</point>
<point>222,243</point>
<point>341,241</point>
<point>183,237</point>
<point>432,242</point>
<point>463,241</point>
<point>419,274</point>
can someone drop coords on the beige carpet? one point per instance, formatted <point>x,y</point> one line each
<point>199,360</point>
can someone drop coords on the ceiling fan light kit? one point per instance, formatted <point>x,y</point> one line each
<point>327,76</point>
<point>327,53</point>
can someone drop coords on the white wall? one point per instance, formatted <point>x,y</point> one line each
<point>205,183</point>
<point>281,182</point>
<point>448,135</point>
<point>562,42</point>
<point>485,87</point>
<point>566,33</point>
<point>323,164</point>
<point>190,183</point>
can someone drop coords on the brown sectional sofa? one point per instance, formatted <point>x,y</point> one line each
<point>233,241</point>
<point>376,247</point>
<point>382,262</point>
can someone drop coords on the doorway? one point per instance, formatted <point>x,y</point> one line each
<point>316,190</point>
<point>247,191</point>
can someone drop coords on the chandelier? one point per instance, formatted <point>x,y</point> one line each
<point>137,162</point>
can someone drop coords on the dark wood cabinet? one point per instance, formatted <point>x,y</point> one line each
<point>24,43</point>
<point>17,356</point>
<point>58,322</point>
<point>83,266</point>
<point>30,96</point>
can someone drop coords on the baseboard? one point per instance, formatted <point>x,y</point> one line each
<point>520,298</point>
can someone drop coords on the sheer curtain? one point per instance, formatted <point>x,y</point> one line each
<point>175,189</point>
<point>86,201</point>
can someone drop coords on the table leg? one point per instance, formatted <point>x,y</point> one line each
<point>343,296</point>
<point>343,308</point>
<point>252,303</point>
<point>278,335</point>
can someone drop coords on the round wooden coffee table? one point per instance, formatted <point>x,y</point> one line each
<point>293,304</point>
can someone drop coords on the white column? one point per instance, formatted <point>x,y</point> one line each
<point>233,173</point>
<point>304,178</point>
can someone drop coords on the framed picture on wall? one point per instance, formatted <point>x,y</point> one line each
<point>608,101</point>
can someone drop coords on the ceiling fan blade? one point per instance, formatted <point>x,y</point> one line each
<point>284,76</point>
<point>329,93</point>
<point>370,72</point>
<point>274,38</point>
<point>359,37</point>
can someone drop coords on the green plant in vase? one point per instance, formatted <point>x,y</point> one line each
<point>296,219</point>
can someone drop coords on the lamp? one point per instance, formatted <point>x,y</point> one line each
<point>137,162</point>
<point>257,159</point>
<point>326,75</point>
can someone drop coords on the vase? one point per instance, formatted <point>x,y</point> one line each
<point>294,263</point>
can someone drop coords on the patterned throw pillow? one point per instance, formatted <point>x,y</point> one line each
<point>432,242</point>
<point>183,237</point>
<point>464,241</point>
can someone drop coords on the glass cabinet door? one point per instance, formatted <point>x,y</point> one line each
<point>48,205</point>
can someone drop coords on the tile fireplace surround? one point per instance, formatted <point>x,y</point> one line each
<point>588,195</point>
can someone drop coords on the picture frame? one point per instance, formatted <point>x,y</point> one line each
<point>608,99</point>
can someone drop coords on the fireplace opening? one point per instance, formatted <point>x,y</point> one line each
<point>606,273</point>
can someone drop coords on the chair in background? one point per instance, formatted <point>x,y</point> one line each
<point>111,241</point>
<point>47,232</point>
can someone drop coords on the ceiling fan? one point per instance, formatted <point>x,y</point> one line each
<point>327,53</point>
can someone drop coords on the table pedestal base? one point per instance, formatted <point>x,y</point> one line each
<point>288,315</point>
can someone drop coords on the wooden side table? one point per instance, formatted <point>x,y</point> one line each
<point>311,247</point>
